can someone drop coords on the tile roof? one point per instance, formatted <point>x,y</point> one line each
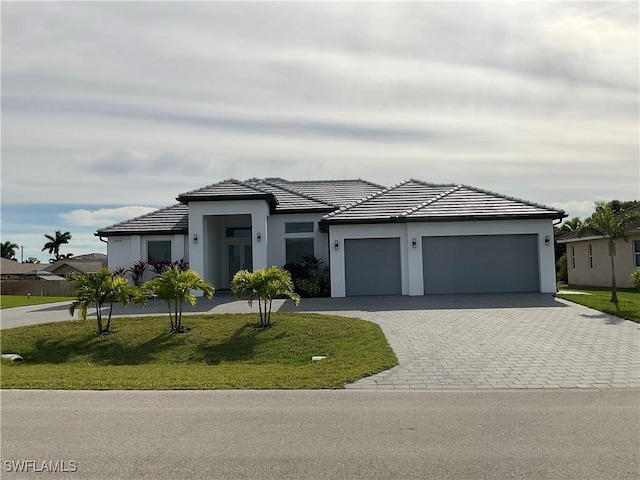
<point>169,220</point>
<point>334,192</point>
<point>230,189</point>
<point>414,200</point>
<point>344,201</point>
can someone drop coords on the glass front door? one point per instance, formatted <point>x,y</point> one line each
<point>240,257</point>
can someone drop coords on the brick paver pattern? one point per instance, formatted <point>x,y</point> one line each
<point>503,341</point>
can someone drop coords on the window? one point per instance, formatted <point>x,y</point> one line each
<point>590,256</point>
<point>573,257</point>
<point>238,232</point>
<point>298,227</point>
<point>636,252</point>
<point>159,251</point>
<point>297,248</point>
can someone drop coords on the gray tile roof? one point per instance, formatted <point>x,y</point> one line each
<point>230,189</point>
<point>344,201</point>
<point>334,192</point>
<point>170,220</point>
<point>415,200</point>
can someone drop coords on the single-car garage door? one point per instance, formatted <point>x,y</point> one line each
<point>372,266</point>
<point>480,264</point>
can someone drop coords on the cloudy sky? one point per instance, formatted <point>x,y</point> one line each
<point>112,109</point>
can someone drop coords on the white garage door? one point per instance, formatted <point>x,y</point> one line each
<point>372,266</point>
<point>480,264</point>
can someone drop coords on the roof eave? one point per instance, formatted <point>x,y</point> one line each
<point>268,197</point>
<point>140,232</point>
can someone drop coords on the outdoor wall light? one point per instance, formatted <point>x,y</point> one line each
<point>195,238</point>
<point>259,237</point>
<point>336,245</point>
<point>414,243</point>
<point>547,240</point>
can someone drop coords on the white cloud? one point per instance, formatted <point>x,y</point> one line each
<point>103,216</point>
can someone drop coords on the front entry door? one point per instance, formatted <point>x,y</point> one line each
<point>240,257</point>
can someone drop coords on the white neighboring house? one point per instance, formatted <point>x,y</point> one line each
<point>414,238</point>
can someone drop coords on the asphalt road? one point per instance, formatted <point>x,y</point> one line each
<point>533,434</point>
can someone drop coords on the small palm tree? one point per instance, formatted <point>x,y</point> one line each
<point>175,286</point>
<point>264,285</point>
<point>96,289</point>
<point>54,243</point>
<point>9,250</point>
<point>607,224</point>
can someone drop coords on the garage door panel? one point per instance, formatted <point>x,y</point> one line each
<point>372,266</point>
<point>480,264</point>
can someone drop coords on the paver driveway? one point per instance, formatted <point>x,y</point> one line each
<point>496,341</point>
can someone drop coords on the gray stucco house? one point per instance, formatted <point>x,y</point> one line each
<point>413,238</point>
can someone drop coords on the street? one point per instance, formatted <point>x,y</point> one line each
<point>531,434</point>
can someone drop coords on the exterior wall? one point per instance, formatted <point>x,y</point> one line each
<point>276,252</point>
<point>411,258</point>
<point>600,274</point>
<point>124,251</point>
<point>202,254</point>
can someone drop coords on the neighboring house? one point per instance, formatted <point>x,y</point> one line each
<point>588,261</point>
<point>89,263</point>
<point>413,238</point>
<point>12,270</point>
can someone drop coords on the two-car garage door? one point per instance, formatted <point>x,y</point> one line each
<point>480,264</point>
<point>450,264</point>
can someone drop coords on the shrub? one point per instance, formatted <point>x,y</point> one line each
<point>635,276</point>
<point>561,269</point>
<point>310,277</point>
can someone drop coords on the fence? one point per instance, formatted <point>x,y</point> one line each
<point>47,288</point>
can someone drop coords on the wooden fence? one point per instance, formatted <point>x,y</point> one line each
<point>37,288</point>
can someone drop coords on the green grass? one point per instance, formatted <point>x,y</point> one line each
<point>599,299</point>
<point>219,352</point>
<point>8,301</point>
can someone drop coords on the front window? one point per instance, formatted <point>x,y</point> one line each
<point>636,252</point>
<point>590,256</point>
<point>573,257</point>
<point>159,251</point>
<point>298,248</point>
<point>238,232</point>
<point>298,227</point>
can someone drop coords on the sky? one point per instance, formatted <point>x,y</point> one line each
<point>111,109</point>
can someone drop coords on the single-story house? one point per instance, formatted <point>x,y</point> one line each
<point>413,238</point>
<point>13,270</point>
<point>589,263</point>
<point>88,263</point>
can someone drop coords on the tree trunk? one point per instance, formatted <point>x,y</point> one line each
<point>108,327</point>
<point>99,319</point>
<point>260,310</point>
<point>614,291</point>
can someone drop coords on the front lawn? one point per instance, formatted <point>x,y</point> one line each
<point>8,301</point>
<point>219,352</point>
<point>599,299</point>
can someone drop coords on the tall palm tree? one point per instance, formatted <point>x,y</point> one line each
<point>55,242</point>
<point>175,286</point>
<point>607,224</point>
<point>571,225</point>
<point>9,250</point>
<point>96,289</point>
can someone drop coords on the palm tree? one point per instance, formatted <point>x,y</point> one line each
<point>264,284</point>
<point>55,242</point>
<point>607,224</point>
<point>96,289</point>
<point>572,225</point>
<point>175,286</point>
<point>9,250</point>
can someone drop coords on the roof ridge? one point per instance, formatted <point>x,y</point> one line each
<point>335,181</point>
<point>144,215</point>
<point>296,192</point>
<point>429,184</point>
<point>430,201</point>
<point>509,197</point>
<point>368,197</point>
